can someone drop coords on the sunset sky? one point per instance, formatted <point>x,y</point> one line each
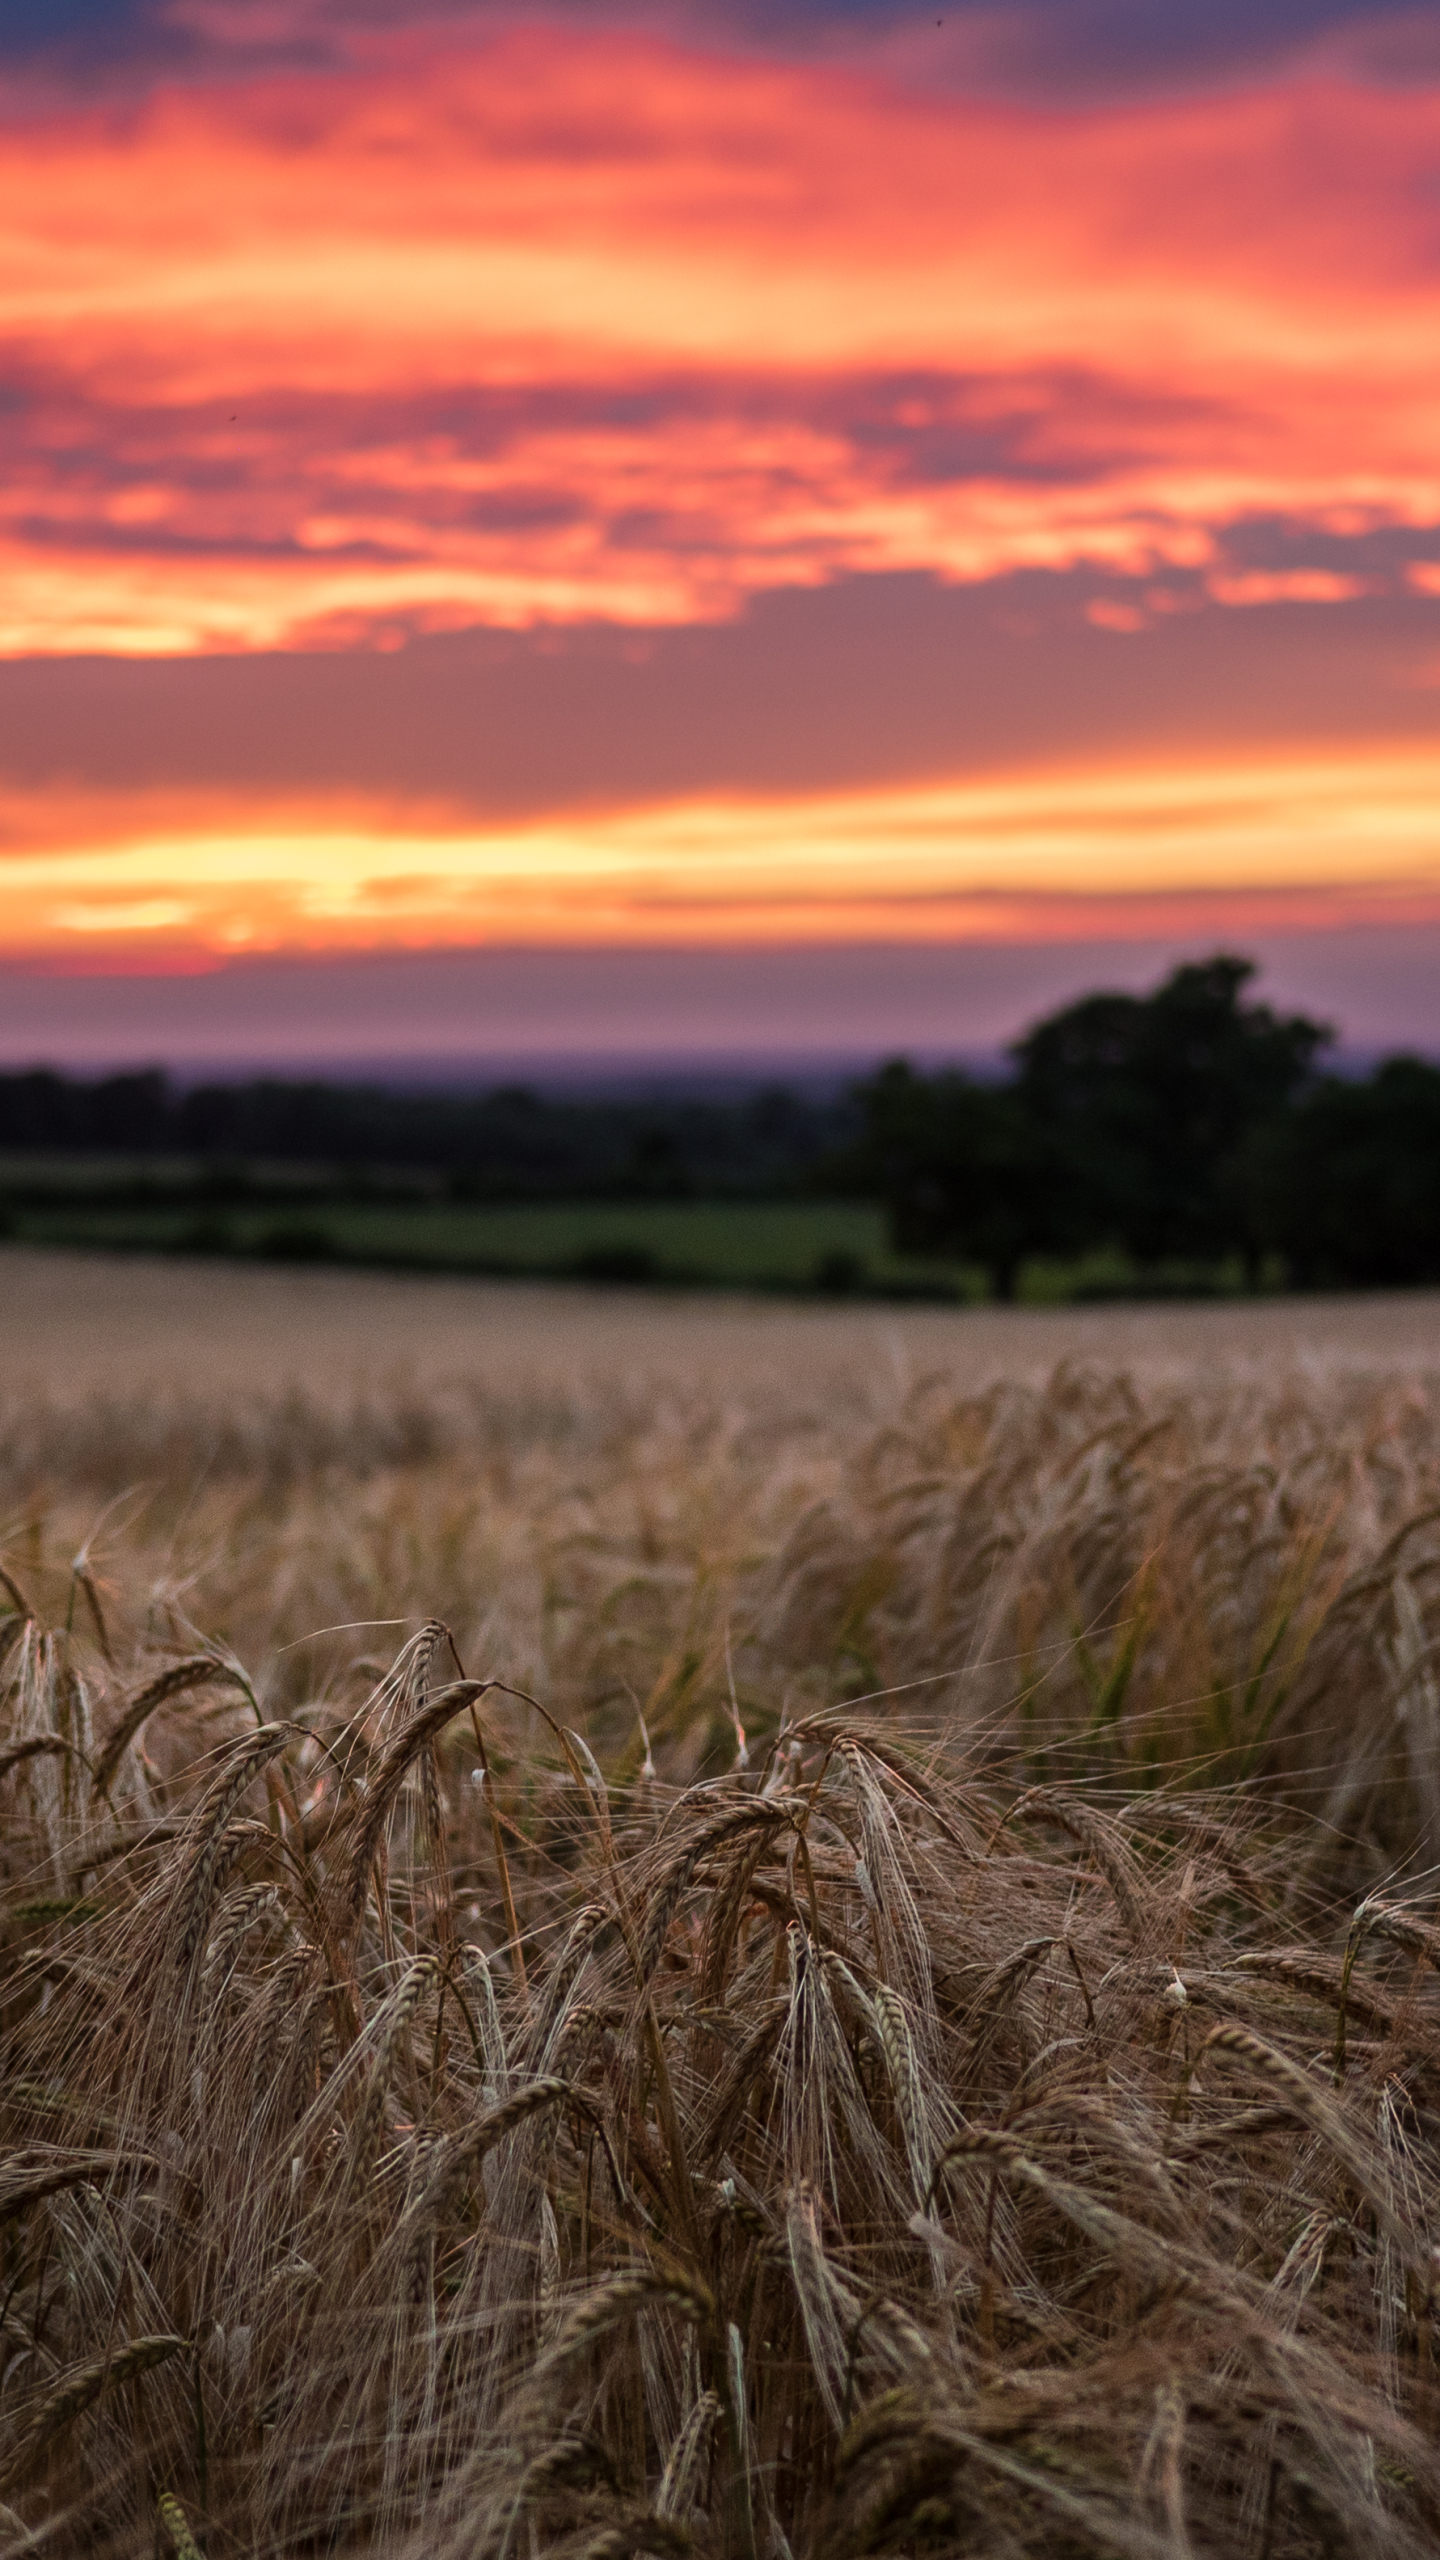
<point>711,528</point>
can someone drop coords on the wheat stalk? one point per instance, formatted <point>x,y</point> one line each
<point>207,1836</point>
<point>79,2389</point>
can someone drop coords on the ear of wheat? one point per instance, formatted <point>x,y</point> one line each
<point>962,2124</point>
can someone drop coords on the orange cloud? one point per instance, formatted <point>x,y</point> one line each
<point>1245,847</point>
<point>565,327</point>
<point>1284,586</point>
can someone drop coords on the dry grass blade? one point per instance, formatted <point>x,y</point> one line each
<point>85,1582</point>
<point>14,1594</point>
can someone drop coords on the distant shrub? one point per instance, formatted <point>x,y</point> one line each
<point>205,1235</point>
<point>631,1265</point>
<point>838,1274</point>
<point>295,1240</point>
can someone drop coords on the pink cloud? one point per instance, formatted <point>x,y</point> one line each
<point>562,326</point>
<point>566,329</point>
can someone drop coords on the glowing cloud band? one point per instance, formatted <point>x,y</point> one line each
<point>1069,854</point>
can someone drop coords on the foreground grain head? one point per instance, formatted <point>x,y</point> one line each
<point>416,2143</point>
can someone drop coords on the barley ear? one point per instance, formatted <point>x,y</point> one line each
<point>172,2516</point>
<point>199,1670</point>
<point>192,1905</point>
<point>80,2387</point>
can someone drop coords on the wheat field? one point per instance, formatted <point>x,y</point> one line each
<point>637,1926</point>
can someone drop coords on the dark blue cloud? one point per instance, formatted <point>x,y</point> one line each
<point>54,48</point>
<point>28,24</point>
<point>1034,47</point>
<point>1070,46</point>
<point>84,40</point>
<point>1078,51</point>
<point>1062,47</point>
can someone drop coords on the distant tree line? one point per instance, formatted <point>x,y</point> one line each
<point>508,1144</point>
<point>1184,1128</point>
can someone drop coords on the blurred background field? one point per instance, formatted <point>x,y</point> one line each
<point>74,1323</point>
<point>1125,1528</point>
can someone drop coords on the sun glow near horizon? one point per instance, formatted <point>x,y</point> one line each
<point>1028,857</point>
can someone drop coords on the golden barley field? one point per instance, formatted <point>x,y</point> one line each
<point>644,1925</point>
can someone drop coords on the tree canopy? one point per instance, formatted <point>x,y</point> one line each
<point>1188,1125</point>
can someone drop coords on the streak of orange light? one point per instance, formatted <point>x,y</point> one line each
<point>1317,840</point>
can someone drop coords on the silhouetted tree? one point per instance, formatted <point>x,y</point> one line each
<point>126,1114</point>
<point>1137,1121</point>
<point>960,1167</point>
<point>1154,1108</point>
<point>1353,1190</point>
